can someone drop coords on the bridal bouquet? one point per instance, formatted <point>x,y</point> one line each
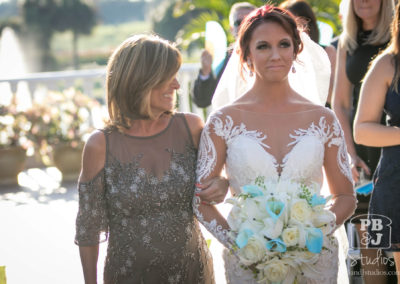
<point>279,228</point>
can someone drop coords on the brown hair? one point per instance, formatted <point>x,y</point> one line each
<point>138,65</point>
<point>303,10</point>
<point>262,15</point>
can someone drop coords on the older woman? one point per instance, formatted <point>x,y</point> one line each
<point>138,174</point>
<point>365,34</point>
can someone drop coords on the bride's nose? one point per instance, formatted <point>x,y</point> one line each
<point>275,53</point>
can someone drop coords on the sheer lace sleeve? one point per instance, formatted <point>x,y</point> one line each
<point>338,172</point>
<point>211,160</point>
<point>91,222</point>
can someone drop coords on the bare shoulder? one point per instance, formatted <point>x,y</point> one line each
<point>196,125</point>
<point>194,121</point>
<point>383,65</point>
<point>93,158</point>
<point>96,143</point>
<point>331,51</point>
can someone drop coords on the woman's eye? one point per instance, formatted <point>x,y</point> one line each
<point>285,44</point>
<point>262,46</point>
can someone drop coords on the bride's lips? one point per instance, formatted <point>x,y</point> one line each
<point>273,67</point>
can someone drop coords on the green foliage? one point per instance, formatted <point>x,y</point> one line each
<point>42,18</point>
<point>95,49</point>
<point>326,11</point>
<point>76,16</point>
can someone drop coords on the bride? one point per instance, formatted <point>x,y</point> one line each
<point>274,132</point>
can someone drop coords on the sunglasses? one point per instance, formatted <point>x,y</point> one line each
<point>237,23</point>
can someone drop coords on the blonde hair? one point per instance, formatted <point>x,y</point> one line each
<point>394,47</point>
<point>138,65</point>
<point>352,24</point>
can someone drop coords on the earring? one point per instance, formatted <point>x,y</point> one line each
<point>293,69</point>
<point>250,67</point>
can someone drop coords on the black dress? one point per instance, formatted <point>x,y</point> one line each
<point>386,195</point>
<point>356,67</point>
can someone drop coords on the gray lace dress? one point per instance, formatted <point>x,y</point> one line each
<point>141,201</point>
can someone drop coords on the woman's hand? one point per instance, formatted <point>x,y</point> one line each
<point>356,163</point>
<point>213,191</point>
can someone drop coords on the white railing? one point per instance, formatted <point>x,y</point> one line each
<point>89,81</point>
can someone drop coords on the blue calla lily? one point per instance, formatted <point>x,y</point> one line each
<point>314,240</point>
<point>276,245</point>
<point>243,237</point>
<point>317,200</point>
<point>275,208</point>
<point>253,190</point>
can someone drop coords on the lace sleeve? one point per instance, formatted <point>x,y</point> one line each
<point>338,173</point>
<point>211,160</point>
<point>91,222</point>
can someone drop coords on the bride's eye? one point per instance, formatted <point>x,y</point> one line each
<point>285,44</point>
<point>262,46</point>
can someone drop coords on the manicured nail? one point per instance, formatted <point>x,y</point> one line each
<point>197,194</point>
<point>197,184</point>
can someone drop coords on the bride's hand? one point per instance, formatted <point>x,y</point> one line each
<point>213,191</point>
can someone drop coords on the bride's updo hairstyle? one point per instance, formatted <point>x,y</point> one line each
<point>267,14</point>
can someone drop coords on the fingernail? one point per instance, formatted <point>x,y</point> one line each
<point>197,194</point>
<point>197,184</point>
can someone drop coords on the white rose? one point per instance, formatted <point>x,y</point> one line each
<point>290,236</point>
<point>253,252</point>
<point>254,209</point>
<point>300,211</point>
<point>325,220</point>
<point>272,229</point>
<point>235,218</point>
<point>275,270</point>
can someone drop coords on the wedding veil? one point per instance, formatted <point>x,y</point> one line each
<point>311,79</point>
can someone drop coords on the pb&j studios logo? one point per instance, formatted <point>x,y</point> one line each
<point>375,231</point>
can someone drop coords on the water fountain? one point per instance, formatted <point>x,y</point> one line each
<point>12,64</point>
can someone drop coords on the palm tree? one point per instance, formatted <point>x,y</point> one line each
<point>38,19</point>
<point>216,10</point>
<point>77,16</point>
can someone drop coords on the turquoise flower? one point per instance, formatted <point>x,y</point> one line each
<point>276,245</point>
<point>275,208</point>
<point>317,200</point>
<point>243,237</point>
<point>314,240</point>
<point>253,190</point>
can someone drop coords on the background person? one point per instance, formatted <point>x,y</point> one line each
<point>365,34</point>
<point>207,81</point>
<point>380,92</point>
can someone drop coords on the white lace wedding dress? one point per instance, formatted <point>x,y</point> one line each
<point>295,146</point>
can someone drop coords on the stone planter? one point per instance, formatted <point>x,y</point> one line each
<point>12,162</point>
<point>68,160</point>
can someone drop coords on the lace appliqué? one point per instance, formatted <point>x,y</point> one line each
<point>332,133</point>
<point>207,156</point>
<point>337,138</point>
